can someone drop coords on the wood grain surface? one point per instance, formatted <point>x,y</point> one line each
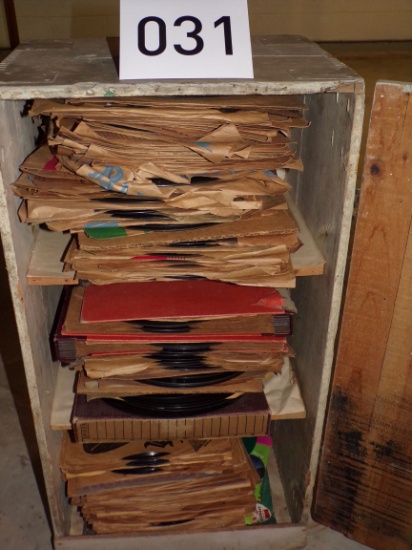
<point>364,484</point>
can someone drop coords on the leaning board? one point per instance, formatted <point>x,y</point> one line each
<point>365,477</point>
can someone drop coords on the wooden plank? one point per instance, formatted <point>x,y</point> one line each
<point>60,418</point>
<point>46,267</point>
<point>281,537</point>
<point>365,475</point>
<point>280,65</point>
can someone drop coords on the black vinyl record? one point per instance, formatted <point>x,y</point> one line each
<point>187,347</point>
<point>175,405</point>
<point>99,448</point>
<point>175,227</point>
<point>138,214</point>
<point>180,361</point>
<point>164,327</point>
<point>191,380</point>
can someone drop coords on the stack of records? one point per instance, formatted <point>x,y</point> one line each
<point>173,350</point>
<point>180,232</point>
<point>254,250</point>
<point>155,486</point>
<point>162,189</point>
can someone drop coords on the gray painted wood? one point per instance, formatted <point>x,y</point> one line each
<point>34,307</point>
<point>281,538</point>
<point>324,194</point>
<point>85,68</point>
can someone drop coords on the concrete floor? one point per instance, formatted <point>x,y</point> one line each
<point>23,522</point>
<point>23,516</point>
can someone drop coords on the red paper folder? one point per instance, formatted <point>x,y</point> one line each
<point>176,299</point>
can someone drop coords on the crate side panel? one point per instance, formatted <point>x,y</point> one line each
<point>34,307</point>
<point>324,194</point>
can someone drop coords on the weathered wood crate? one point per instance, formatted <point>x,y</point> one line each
<point>324,193</point>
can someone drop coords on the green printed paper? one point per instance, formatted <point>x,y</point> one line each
<point>258,449</point>
<point>105,232</point>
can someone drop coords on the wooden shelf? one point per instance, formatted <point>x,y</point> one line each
<point>61,413</point>
<point>46,267</point>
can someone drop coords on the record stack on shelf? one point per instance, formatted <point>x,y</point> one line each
<point>159,190</point>
<point>180,232</point>
<point>167,350</point>
<point>155,486</point>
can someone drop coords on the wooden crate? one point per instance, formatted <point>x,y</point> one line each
<point>324,193</point>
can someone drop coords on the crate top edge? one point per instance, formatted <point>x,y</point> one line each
<point>86,68</point>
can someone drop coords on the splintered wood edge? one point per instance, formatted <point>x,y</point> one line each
<point>46,266</point>
<point>308,260</point>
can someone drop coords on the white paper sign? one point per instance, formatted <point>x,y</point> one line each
<point>184,39</point>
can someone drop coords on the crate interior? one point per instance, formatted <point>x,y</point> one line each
<point>325,201</point>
